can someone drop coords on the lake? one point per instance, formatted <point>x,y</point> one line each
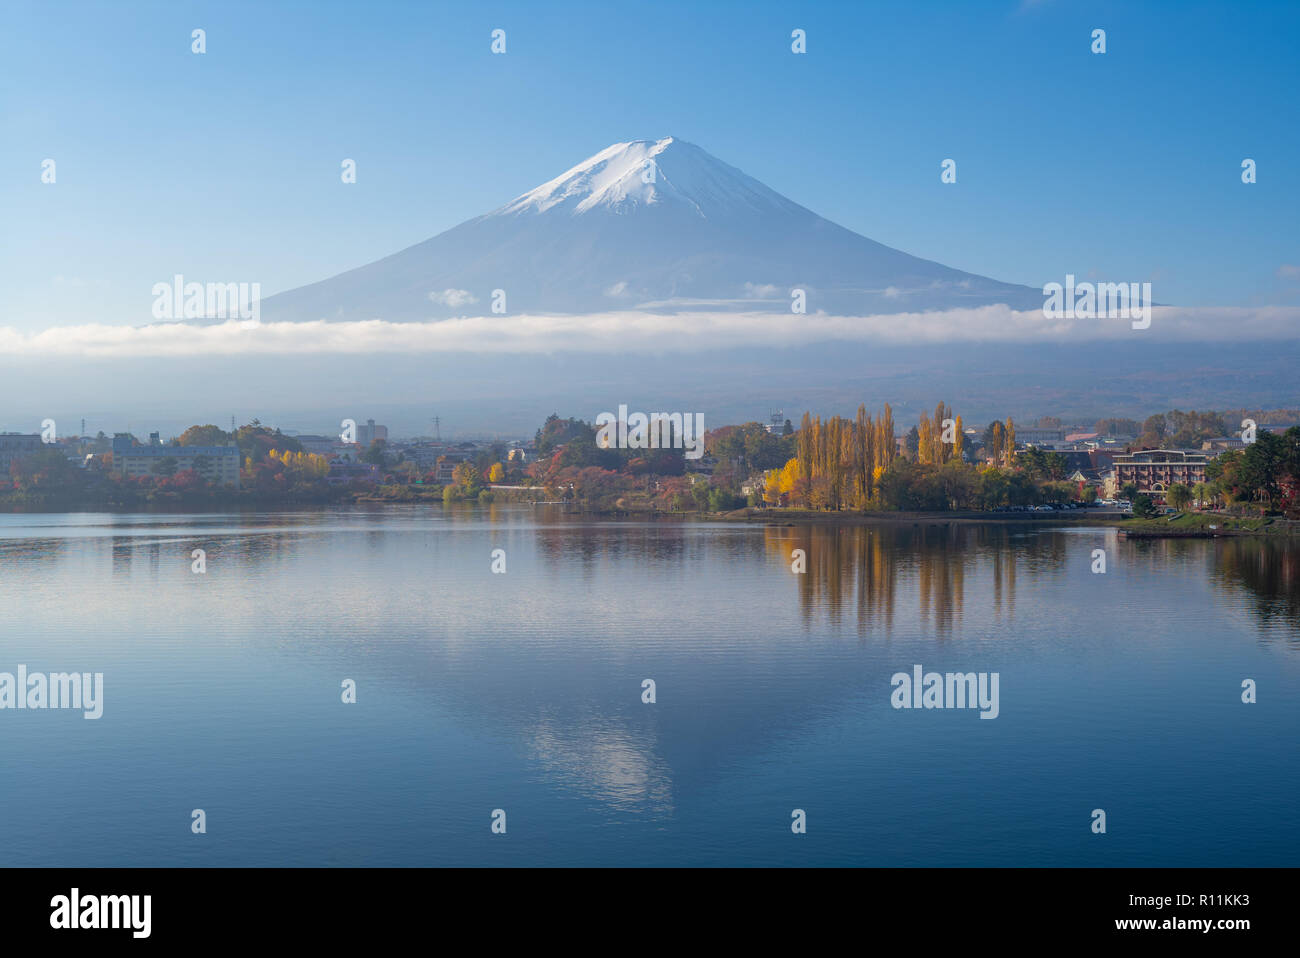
<point>522,691</point>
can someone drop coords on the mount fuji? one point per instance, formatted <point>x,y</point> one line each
<point>650,225</point>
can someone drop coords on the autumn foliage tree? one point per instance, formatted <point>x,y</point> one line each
<point>255,441</point>
<point>208,435</point>
<point>1000,442</point>
<point>837,463</point>
<point>300,466</point>
<point>467,478</point>
<point>940,439</point>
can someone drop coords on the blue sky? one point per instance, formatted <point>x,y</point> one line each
<point>225,166</point>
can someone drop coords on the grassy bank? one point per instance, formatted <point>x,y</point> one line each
<point>1207,525</point>
<point>1064,517</point>
<point>1186,525</point>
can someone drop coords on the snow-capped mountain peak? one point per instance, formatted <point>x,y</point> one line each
<point>645,173</point>
<point>653,225</point>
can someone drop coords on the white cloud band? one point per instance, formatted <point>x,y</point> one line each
<point>630,331</point>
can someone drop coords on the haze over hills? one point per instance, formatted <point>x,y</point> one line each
<point>656,275</point>
<point>659,226</point>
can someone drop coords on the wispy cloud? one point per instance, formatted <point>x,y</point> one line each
<point>454,297</point>
<point>631,331</point>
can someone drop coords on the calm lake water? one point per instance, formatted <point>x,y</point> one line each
<point>479,691</point>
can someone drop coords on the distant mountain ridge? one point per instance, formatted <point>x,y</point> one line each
<point>656,225</point>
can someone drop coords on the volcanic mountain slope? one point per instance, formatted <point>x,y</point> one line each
<point>652,225</point>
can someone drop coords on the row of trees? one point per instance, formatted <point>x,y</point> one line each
<point>740,451</point>
<point>907,485</point>
<point>1177,429</point>
<point>1037,464</point>
<point>1266,473</point>
<point>1183,430</point>
<point>837,462</point>
<point>298,465</point>
<point>272,465</point>
<point>855,464</point>
<point>564,444</point>
<point>1000,442</point>
<point>940,439</point>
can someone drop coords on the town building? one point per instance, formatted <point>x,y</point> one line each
<point>1033,435</point>
<point>331,447</point>
<point>446,466</point>
<point>1107,443</point>
<point>1222,443</point>
<point>370,432</point>
<point>318,445</point>
<point>425,454</point>
<point>1155,470</point>
<point>218,464</point>
<point>1076,460</point>
<point>1277,427</point>
<point>344,472</point>
<point>15,446</point>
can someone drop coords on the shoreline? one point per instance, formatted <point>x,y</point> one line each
<point>1185,526</point>
<point>1188,525</point>
<point>963,517</point>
